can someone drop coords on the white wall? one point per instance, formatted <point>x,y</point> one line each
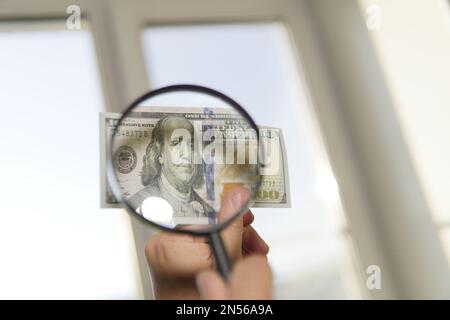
<point>413,47</point>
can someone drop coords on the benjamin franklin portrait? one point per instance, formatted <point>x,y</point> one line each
<point>169,171</point>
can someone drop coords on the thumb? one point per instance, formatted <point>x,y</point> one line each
<point>233,202</point>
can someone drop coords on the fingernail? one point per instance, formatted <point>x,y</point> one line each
<point>236,199</point>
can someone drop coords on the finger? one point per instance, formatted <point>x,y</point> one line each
<point>186,237</point>
<point>233,202</point>
<point>248,218</point>
<point>192,227</point>
<point>251,279</point>
<point>253,243</point>
<point>171,255</point>
<point>211,286</point>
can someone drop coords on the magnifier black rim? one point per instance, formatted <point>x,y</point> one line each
<point>173,88</point>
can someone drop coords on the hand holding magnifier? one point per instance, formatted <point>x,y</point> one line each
<point>199,149</point>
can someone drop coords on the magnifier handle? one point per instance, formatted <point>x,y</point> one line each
<point>220,254</point>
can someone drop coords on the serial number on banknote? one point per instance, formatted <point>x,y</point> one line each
<point>131,133</point>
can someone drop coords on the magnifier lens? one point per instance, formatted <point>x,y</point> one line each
<point>185,158</point>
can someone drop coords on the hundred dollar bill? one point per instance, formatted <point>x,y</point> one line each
<point>272,192</point>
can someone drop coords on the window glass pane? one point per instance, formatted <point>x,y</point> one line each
<point>55,242</point>
<point>255,64</point>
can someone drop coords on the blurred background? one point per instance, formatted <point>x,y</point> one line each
<point>360,89</point>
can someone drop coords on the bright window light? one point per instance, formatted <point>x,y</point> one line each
<point>55,242</point>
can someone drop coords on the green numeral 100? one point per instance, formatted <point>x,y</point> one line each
<point>271,195</point>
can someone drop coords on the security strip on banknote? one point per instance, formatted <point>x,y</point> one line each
<point>128,160</point>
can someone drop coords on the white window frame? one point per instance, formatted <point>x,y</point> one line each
<point>348,97</point>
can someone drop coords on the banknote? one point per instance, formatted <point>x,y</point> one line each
<point>130,150</point>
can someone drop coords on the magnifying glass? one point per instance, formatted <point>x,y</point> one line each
<point>180,155</point>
